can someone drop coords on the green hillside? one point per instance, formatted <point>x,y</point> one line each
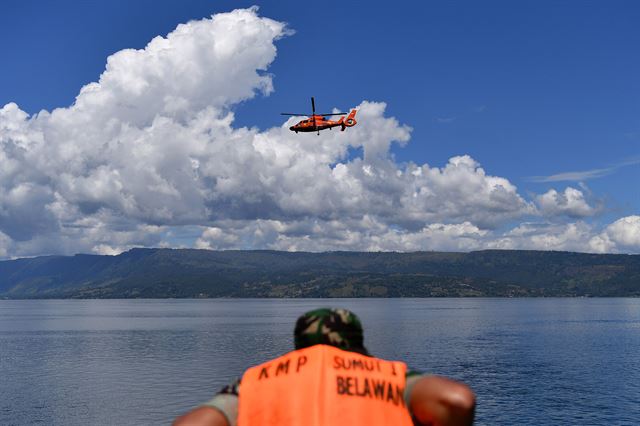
<point>159,273</point>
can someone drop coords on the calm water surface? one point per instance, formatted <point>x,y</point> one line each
<point>132,362</point>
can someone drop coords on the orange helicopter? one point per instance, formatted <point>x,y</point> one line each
<point>318,122</point>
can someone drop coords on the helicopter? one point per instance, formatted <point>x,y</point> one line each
<point>317,122</point>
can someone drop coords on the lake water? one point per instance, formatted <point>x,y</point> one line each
<point>133,362</point>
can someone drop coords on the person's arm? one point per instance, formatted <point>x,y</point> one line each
<point>202,416</point>
<point>221,410</point>
<point>440,401</point>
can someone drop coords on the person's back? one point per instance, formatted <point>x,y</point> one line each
<point>324,385</point>
<point>330,379</point>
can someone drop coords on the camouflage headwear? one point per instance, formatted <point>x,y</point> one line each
<point>336,327</point>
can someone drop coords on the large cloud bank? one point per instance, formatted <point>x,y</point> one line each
<point>149,156</point>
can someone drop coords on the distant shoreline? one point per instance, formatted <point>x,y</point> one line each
<point>2,299</point>
<point>188,273</point>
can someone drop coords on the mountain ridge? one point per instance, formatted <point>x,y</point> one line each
<point>164,273</point>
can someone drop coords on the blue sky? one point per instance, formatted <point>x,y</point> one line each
<point>530,91</point>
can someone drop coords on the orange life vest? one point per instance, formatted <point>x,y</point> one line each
<point>324,386</point>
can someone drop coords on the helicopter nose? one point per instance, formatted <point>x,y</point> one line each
<point>291,128</point>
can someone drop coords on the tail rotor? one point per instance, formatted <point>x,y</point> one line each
<point>350,121</point>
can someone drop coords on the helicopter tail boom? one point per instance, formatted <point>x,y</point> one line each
<point>349,121</point>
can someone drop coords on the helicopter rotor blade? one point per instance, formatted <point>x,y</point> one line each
<point>334,113</point>
<point>291,113</point>
<point>313,115</point>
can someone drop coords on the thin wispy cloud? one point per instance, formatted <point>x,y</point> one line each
<point>630,161</point>
<point>574,176</point>
<point>583,175</point>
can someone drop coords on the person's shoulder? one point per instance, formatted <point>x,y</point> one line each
<point>226,401</point>
<point>411,378</point>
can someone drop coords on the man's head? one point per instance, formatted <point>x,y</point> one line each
<point>336,327</point>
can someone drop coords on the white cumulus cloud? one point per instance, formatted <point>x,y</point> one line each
<point>623,235</point>
<point>544,236</point>
<point>570,202</point>
<point>151,150</point>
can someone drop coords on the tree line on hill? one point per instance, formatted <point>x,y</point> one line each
<point>176,273</point>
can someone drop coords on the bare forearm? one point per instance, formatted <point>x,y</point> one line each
<point>442,402</point>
